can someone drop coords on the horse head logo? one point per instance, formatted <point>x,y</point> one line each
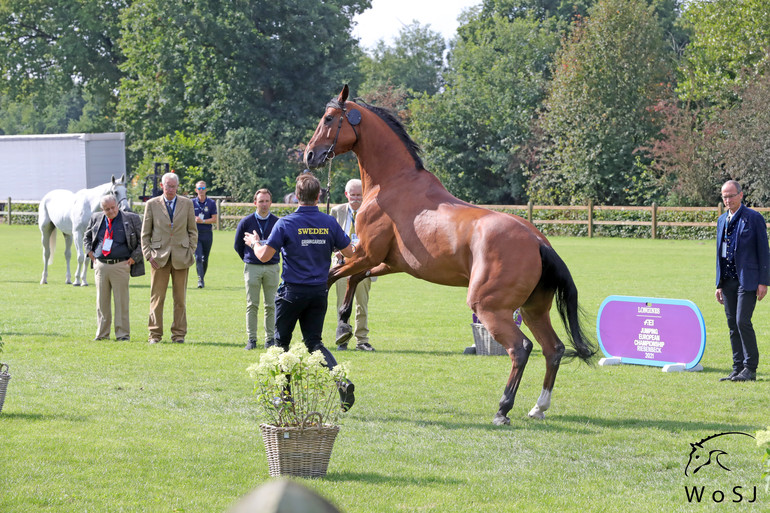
<point>705,453</point>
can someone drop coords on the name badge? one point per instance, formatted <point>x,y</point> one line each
<point>107,245</point>
<point>201,216</point>
<point>354,238</point>
<point>724,250</point>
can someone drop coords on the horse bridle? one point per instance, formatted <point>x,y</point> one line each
<point>353,117</point>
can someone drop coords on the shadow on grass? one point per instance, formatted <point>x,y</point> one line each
<point>374,478</point>
<point>666,425</point>
<point>35,334</point>
<point>42,417</point>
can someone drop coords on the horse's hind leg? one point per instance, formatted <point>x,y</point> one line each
<point>67,255</point>
<point>502,328</point>
<point>80,273</point>
<point>48,231</point>
<point>553,349</point>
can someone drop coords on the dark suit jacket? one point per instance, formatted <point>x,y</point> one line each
<point>132,224</point>
<point>752,253</point>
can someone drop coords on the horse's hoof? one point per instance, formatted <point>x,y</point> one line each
<point>68,282</point>
<point>43,282</point>
<point>344,332</point>
<point>535,413</point>
<point>501,420</point>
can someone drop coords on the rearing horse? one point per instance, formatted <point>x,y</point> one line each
<point>408,222</point>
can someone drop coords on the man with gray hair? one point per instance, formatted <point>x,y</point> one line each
<point>346,216</point>
<point>112,242</point>
<point>743,274</point>
<point>169,239</point>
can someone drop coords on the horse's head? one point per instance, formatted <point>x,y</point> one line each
<point>118,188</point>
<point>336,132</point>
<point>701,457</point>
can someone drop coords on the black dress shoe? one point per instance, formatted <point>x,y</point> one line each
<point>342,347</point>
<point>347,396</point>
<point>251,344</point>
<point>270,343</point>
<point>746,375</point>
<point>730,376</point>
<point>364,346</point>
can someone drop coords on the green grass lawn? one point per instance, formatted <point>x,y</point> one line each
<point>125,426</point>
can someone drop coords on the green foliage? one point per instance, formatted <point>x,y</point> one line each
<point>187,156</point>
<point>295,389</point>
<point>209,68</point>
<point>413,62</point>
<point>729,45</point>
<point>61,54</point>
<point>473,130</point>
<point>599,110</point>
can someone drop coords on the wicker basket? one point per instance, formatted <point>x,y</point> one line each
<point>4,378</point>
<point>485,344</point>
<point>298,451</point>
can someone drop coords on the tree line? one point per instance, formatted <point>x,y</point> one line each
<point>553,101</point>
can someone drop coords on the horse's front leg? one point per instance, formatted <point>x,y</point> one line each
<point>344,329</point>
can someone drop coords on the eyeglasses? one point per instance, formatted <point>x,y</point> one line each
<point>729,196</point>
<point>201,188</point>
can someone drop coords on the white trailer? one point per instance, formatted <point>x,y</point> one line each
<point>32,165</point>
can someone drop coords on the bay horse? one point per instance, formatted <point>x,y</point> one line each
<point>70,212</point>
<point>408,222</point>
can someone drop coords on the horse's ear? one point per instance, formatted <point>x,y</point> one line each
<point>343,97</point>
<point>113,179</point>
<point>123,178</point>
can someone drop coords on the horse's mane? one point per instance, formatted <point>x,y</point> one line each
<point>393,122</point>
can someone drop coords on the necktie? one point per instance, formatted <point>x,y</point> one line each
<point>170,208</point>
<point>107,236</point>
<point>353,225</point>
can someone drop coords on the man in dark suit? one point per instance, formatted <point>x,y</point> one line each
<point>743,274</point>
<point>169,239</point>
<point>112,242</point>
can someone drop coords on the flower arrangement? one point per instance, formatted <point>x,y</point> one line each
<point>295,388</point>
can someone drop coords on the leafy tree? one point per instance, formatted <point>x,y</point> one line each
<point>412,63</point>
<point>202,66</point>
<point>599,110</point>
<point>473,129</point>
<point>60,55</point>
<point>730,44</point>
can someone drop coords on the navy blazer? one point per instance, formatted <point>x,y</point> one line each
<point>752,253</point>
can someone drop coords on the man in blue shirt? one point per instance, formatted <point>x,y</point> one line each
<point>306,239</point>
<point>257,274</point>
<point>205,216</point>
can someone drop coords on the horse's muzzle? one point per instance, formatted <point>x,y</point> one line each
<point>316,159</point>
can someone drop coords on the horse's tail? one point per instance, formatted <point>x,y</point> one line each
<point>556,277</point>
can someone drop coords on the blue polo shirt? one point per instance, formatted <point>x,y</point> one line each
<point>307,238</point>
<point>208,208</point>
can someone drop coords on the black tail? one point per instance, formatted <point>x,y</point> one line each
<point>556,277</point>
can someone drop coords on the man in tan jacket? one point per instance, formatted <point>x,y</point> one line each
<point>169,239</point>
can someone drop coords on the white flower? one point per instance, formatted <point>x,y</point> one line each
<point>316,359</point>
<point>289,361</point>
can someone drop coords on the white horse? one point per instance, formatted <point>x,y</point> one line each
<point>70,212</point>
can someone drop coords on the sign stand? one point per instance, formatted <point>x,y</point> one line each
<point>666,333</point>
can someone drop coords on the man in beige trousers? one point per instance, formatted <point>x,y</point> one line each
<point>169,239</point>
<point>346,217</point>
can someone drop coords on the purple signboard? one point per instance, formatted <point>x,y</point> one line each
<point>651,331</point>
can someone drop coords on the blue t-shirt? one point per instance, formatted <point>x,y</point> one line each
<point>208,208</point>
<point>307,238</point>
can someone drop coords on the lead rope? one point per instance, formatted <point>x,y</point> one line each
<point>329,186</point>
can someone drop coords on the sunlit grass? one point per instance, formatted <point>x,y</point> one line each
<point>109,426</point>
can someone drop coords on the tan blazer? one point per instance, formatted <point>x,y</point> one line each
<point>161,242</point>
<point>340,213</point>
